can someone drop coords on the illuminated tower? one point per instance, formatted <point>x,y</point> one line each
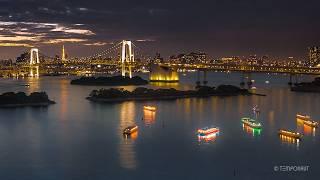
<point>34,56</point>
<point>127,58</point>
<point>63,54</point>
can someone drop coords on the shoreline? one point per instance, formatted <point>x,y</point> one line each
<point>109,81</point>
<point>21,99</point>
<point>307,87</point>
<point>112,100</point>
<point>43,104</point>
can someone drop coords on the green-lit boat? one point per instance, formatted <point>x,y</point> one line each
<point>251,122</point>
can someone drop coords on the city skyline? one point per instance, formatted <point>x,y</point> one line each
<point>227,28</point>
<point>62,52</point>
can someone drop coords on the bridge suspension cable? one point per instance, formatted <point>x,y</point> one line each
<point>139,51</point>
<point>102,53</point>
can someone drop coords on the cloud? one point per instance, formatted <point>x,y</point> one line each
<point>72,30</point>
<point>19,38</point>
<point>145,40</point>
<point>37,33</point>
<point>96,44</point>
<point>3,23</point>
<point>21,32</point>
<point>83,9</point>
<point>15,45</point>
<point>72,40</point>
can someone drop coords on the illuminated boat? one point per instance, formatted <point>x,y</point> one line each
<point>290,134</point>
<point>302,117</point>
<point>311,123</point>
<point>150,108</point>
<point>129,130</point>
<point>252,131</point>
<point>251,122</point>
<point>206,131</point>
<point>207,134</point>
<point>207,137</point>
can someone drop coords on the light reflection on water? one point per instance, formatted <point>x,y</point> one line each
<point>289,141</point>
<point>75,138</point>
<point>252,131</point>
<point>305,129</point>
<point>64,98</point>
<point>35,84</point>
<point>127,153</point>
<point>149,117</point>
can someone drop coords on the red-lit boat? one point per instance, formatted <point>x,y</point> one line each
<point>206,130</point>
<point>207,137</point>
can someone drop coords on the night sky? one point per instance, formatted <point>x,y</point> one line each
<point>278,28</point>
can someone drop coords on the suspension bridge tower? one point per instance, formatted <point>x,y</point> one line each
<point>34,56</point>
<point>34,62</point>
<point>127,58</point>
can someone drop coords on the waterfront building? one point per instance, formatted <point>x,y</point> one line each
<point>191,58</point>
<point>314,55</point>
<point>6,62</point>
<point>163,74</point>
<point>158,58</point>
<point>23,58</point>
<point>231,60</point>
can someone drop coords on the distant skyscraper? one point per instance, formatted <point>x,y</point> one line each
<point>314,55</point>
<point>158,58</point>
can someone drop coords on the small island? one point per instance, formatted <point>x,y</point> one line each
<point>20,99</point>
<point>110,81</point>
<point>141,93</point>
<point>313,86</point>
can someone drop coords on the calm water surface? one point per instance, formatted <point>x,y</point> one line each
<point>76,139</point>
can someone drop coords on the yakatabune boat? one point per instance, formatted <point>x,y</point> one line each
<point>303,118</point>
<point>207,137</point>
<point>131,129</point>
<point>311,123</point>
<point>207,130</point>
<point>290,134</point>
<point>251,122</point>
<point>207,134</point>
<point>307,120</point>
<point>150,108</point>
